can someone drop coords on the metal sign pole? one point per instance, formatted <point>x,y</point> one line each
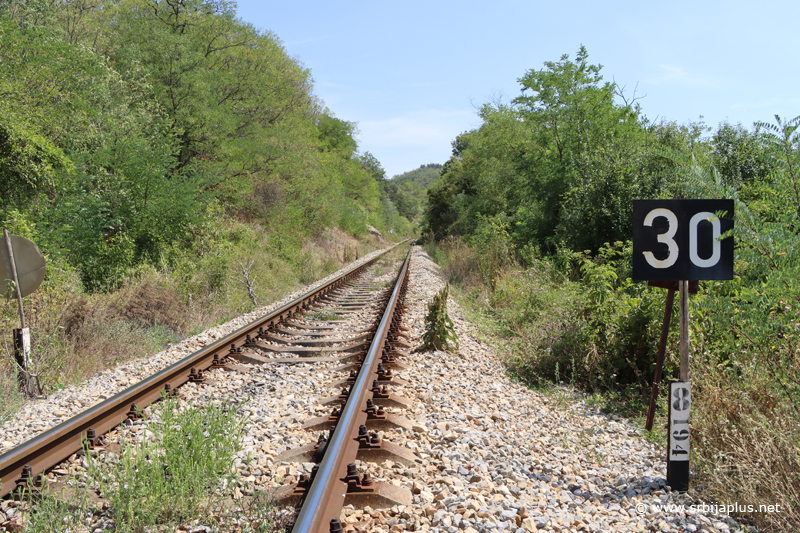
<point>684,323</point>
<point>662,349</point>
<point>14,276</point>
<point>22,348</point>
<point>680,403</point>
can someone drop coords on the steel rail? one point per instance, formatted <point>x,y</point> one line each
<point>326,495</point>
<point>55,445</point>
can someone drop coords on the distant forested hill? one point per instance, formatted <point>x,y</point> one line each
<point>423,176</point>
<point>408,191</point>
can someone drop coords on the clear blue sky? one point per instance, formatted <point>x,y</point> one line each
<point>412,73</point>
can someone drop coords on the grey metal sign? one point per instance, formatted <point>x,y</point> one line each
<point>30,267</point>
<point>680,239</point>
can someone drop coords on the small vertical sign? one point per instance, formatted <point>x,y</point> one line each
<point>680,404</point>
<point>22,349</point>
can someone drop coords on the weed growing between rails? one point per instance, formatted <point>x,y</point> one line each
<point>179,468</point>
<point>439,331</point>
<point>322,316</point>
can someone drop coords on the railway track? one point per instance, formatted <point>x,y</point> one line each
<point>336,479</point>
<point>307,330</point>
<point>488,453</point>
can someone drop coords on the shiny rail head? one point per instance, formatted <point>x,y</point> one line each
<point>336,475</point>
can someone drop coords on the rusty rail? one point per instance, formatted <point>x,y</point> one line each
<point>55,445</point>
<point>331,482</point>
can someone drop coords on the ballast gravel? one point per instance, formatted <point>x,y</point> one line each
<point>37,416</point>
<point>496,456</point>
<point>492,455</point>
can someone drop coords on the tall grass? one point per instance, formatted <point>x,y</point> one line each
<point>76,334</point>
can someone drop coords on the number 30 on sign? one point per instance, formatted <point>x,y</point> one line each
<point>680,239</point>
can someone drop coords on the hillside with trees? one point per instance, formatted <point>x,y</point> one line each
<point>408,190</point>
<point>424,176</point>
<point>532,219</point>
<point>153,150</point>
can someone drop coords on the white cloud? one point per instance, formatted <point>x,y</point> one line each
<point>671,74</point>
<point>416,129</point>
<point>405,142</point>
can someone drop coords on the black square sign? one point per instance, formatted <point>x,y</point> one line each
<point>680,239</point>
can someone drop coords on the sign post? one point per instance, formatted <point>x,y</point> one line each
<point>662,348</point>
<point>14,276</point>
<point>683,301</point>
<point>22,268</point>
<point>680,240</point>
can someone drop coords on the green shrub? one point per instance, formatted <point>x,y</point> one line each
<point>600,333</point>
<point>439,332</point>
<point>493,241</point>
<point>623,318</point>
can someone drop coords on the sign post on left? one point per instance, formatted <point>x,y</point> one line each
<point>22,270</point>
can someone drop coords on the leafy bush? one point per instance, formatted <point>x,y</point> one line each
<point>439,332</point>
<point>623,318</point>
<point>539,315</point>
<point>491,237</point>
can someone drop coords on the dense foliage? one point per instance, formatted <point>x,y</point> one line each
<point>559,165</point>
<point>123,125</point>
<point>407,190</point>
<point>532,215</point>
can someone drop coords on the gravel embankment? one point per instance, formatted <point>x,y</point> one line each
<point>497,456</point>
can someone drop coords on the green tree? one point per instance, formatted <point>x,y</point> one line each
<point>585,161</point>
<point>336,136</point>
<point>560,165</point>
<point>371,164</point>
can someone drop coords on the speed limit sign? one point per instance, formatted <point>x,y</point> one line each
<point>681,239</point>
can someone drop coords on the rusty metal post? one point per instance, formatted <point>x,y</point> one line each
<point>14,276</point>
<point>22,348</point>
<point>662,348</point>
